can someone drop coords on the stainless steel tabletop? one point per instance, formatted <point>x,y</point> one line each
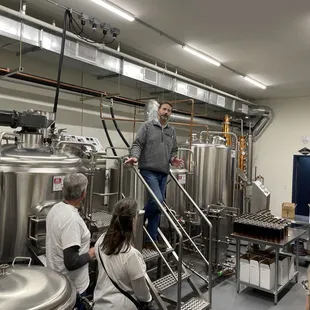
<point>301,219</point>
<point>293,234</point>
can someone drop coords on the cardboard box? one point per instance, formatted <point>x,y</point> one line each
<point>267,269</point>
<point>283,271</point>
<point>245,268</point>
<point>254,270</point>
<point>291,267</point>
<point>288,210</point>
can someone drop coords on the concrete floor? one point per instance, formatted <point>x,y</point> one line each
<point>225,297</point>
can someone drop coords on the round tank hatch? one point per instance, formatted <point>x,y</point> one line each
<point>35,288</point>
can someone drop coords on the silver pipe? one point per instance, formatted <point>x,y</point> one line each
<point>121,176</point>
<point>180,249</point>
<point>263,123</point>
<point>122,55</point>
<point>250,159</point>
<point>8,136</point>
<point>210,231</point>
<point>105,194</point>
<point>187,236</point>
<point>197,274</point>
<point>57,147</point>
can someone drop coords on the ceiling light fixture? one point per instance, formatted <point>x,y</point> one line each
<point>115,9</point>
<point>201,55</point>
<point>254,82</point>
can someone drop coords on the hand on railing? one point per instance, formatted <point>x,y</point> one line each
<point>131,161</point>
<point>177,162</point>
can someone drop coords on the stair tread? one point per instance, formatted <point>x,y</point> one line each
<point>168,280</point>
<point>149,254</point>
<point>195,303</point>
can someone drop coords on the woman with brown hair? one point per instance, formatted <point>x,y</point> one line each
<point>121,267</point>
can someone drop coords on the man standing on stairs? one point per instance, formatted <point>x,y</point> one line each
<point>155,148</point>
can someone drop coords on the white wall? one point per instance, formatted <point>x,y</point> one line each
<point>273,152</point>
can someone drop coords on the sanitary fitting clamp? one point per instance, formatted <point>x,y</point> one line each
<point>4,269</point>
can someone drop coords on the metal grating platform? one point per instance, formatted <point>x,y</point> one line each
<point>102,219</point>
<point>167,281</point>
<point>195,304</point>
<point>152,254</point>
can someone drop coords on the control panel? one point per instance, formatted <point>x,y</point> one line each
<point>87,140</point>
<point>263,189</point>
<point>260,197</point>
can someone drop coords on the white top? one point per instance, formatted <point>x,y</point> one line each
<point>128,270</point>
<point>65,228</point>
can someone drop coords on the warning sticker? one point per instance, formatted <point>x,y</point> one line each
<point>182,178</point>
<point>58,183</point>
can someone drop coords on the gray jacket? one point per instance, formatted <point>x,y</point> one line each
<point>154,147</point>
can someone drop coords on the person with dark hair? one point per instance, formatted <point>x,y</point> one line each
<point>155,148</point>
<point>67,236</point>
<point>120,264</point>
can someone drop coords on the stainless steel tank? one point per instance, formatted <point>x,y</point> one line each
<point>35,287</point>
<point>132,185</point>
<point>175,198</point>
<point>29,179</point>
<point>213,174</point>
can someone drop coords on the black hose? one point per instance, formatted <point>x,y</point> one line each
<point>108,136</point>
<point>61,58</point>
<point>117,128</point>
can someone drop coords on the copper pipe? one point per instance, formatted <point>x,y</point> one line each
<point>180,101</point>
<point>226,128</point>
<point>142,121</point>
<point>242,152</point>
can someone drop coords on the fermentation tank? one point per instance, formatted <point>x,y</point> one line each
<point>32,168</point>
<point>213,173</point>
<point>29,178</point>
<point>132,185</point>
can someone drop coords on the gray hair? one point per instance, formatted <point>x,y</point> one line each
<point>74,186</point>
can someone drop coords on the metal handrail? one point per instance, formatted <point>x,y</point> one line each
<point>116,148</point>
<point>180,235</point>
<point>8,136</point>
<point>210,231</point>
<point>187,236</point>
<point>160,254</point>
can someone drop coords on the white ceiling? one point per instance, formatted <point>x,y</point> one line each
<point>268,39</point>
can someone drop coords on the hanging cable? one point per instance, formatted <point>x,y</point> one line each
<point>61,58</point>
<point>108,136</point>
<point>116,125</point>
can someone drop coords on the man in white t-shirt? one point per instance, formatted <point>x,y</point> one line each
<point>67,236</point>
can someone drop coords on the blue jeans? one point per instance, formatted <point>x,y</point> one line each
<point>78,304</point>
<point>157,182</point>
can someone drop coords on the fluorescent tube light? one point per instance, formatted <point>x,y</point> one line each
<point>201,55</point>
<point>115,9</point>
<point>254,82</point>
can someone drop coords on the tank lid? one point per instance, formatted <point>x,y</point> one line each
<point>11,155</point>
<point>35,288</point>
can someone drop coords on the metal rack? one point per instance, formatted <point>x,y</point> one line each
<point>293,235</point>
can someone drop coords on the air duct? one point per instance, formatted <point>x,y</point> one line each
<point>150,113</point>
<point>48,37</point>
<point>265,119</point>
<point>41,35</point>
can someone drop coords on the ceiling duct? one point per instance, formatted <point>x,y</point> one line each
<point>40,35</point>
<point>150,113</point>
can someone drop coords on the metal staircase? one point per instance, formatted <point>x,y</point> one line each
<point>176,275</point>
<point>174,278</point>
